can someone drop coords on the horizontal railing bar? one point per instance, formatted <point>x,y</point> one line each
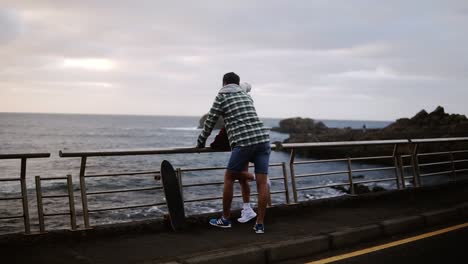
<point>459,151</point>
<point>202,169</point>
<point>407,166</point>
<point>406,156</point>
<point>122,174</point>
<point>434,153</point>
<point>124,207</point>
<point>9,179</point>
<point>409,177</point>
<point>460,161</point>
<point>435,173</point>
<point>439,140</point>
<point>344,143</point>
<point>374,169</point>
<point>56,214</point>
<point>377,180</point>
<point>53,178</point>
<point>372,158</point>
<point>10,198</point>
<point>24,156</point>
<point>11,217</point>
<point>318,161</point>
<point>55,196</point>
<point>319,174</point>
<point>277,192</point>
<point>222,168</point>
<point>203,184</point>
<point>434,163</point>
<point>322,186</point>
<point>276,178</point>
<point>173,150</point>
<point>461,170</point>
<point>370,142</point>
<point>126,190</point>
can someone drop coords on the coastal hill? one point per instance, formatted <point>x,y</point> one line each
<point>436,124</point>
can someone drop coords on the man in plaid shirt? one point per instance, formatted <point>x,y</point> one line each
<point>249,141</point>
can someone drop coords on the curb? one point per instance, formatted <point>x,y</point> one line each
<point>308,246</point>
<point>303,247</point>
<point>402,225</point>
<point>438,217</point>
<point>353,236</point>
<point>244,255</point>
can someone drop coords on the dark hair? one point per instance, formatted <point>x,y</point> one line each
<point>231,77</point>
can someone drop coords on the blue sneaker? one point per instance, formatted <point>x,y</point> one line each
<point>220,222</point>
<point>259,228</point>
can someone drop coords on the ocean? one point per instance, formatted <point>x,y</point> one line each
<point>31,133</point>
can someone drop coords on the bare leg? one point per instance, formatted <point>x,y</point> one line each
<point>244,179</point>
<point>245,188</point>
<point>228,193</point>
<point>262,188</point>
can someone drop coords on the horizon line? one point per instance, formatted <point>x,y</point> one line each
<point>155,115</point>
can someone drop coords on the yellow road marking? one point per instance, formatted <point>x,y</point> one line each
<point>388,245</point>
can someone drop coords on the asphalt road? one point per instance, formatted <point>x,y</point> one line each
<point>451,247</point>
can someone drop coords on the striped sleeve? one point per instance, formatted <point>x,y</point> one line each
<point>213,116</point>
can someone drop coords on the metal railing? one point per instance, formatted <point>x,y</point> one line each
<point>180,171</point>
<point>283,178</point>
<point>24,189</point>
<point>403,156</point>
<point>40,197</point>
<point>397,158</point>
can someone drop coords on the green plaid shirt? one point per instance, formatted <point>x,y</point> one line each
<point>243,126</point>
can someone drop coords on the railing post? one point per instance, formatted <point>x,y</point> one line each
<point>181,187</point>
<point>71,202</point>
<point>285,178</point>
<point>293,178</point>
<point>401,167</point>
<point>454,171</point>
<point>395,163</point>
<point>350,177</point>
<point>40,207</point>
<point>24,195</point>
<point>416,169</point>
<point>84,198</point>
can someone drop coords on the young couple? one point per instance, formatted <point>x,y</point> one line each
<point>249,142</point>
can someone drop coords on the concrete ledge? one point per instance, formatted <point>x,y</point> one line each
<point>441,216</point>
<point>402,225</point>
<point>235,256</point>
<point>463,210</point>
<point>296,248</point>
<point>355,235</point>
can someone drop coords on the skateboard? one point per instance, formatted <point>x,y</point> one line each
<point>174,200</point>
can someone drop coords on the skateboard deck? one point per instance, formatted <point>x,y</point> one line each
<point>174,200</point>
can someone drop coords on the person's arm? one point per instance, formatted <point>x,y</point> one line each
<point>210,122</point>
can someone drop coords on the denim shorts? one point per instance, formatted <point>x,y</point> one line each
<point>258,154</point>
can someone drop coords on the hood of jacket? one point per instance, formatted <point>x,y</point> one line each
<point>231,88</point>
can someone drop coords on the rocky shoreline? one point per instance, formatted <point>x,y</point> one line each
<point>436,124</point>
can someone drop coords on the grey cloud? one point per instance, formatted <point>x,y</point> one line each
<point>325,59</point>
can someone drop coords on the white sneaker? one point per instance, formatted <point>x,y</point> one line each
<point>247,215</point>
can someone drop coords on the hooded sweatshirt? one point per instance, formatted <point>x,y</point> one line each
<point>243,126</point>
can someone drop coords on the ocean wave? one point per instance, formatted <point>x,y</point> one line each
<point>181,128</point>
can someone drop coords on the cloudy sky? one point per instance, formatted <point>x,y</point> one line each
<point>348,59</point>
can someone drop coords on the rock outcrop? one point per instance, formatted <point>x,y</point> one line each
<point>436,124</point>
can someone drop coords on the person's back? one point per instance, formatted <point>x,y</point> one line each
<point>243,126</point>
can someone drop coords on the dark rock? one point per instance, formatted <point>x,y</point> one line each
<point>300,126</point>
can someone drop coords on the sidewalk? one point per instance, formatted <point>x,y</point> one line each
<point>283,223</point>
